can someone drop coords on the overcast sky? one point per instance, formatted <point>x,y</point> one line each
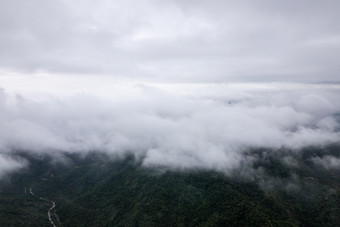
<point>173,41</point>
<point>180,83</point>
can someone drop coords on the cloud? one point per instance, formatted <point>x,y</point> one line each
<point>202,128</point>
<point>327,162</point>
<point>178,84</point>
<point>8,165</point>
<point>177,41</point>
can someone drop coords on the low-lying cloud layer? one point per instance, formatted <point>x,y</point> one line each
<point>207,126</point>
<point>118,77</point>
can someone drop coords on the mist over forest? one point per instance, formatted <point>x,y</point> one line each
<point>176,113</point>
<point>200,129</point>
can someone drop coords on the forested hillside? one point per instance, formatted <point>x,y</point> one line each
<point>99,191</point>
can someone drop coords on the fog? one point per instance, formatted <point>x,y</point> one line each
<point>178,84</point>
<point>206,127</point>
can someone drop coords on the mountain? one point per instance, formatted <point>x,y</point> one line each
<point>96,190</point>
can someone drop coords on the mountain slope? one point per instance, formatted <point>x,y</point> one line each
<point>97,191</point>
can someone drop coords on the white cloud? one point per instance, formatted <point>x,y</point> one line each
<point>327,161</point>
<point>181,84</point>
<point>9,165</point>
<point>198,128</point>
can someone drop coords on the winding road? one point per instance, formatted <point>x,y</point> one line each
<point>50,210</point>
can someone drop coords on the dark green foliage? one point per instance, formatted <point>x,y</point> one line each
<point>94,191</point>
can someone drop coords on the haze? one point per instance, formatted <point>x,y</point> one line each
<point>180,84</point>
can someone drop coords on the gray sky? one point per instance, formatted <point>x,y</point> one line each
<point>182,84</point>
<point>176,41</point>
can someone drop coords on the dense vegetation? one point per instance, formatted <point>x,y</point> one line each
<point>96,191</point>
